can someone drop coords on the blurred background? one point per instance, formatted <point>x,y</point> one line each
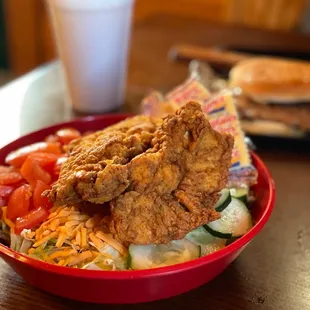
<point>26,39</point>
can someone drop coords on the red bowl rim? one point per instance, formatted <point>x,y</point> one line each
<point>137,274</point>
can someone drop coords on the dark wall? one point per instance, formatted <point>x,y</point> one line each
<point>3,54</point>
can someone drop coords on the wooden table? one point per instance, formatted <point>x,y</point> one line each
<point>273,271</point>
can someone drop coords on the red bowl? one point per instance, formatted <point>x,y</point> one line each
<point>133,286</point>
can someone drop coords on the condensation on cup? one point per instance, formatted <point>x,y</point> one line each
<point>92,38</point>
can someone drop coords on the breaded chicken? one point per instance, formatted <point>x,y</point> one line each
<point>161,183</point>
<point>175,184</point>
<point>96,169</point>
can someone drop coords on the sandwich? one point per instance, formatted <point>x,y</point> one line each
<point>273,96</point>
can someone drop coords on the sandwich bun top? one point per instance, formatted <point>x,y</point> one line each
<point>272,80</point>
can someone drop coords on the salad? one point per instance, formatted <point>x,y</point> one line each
<point>79,237</point>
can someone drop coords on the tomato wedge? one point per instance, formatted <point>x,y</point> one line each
<point>45,160</point>
<point>32,219</point>
<point>18,157</point>
<point>5,169</point>
<point>66,135</point>
<point>3,203</point>
<point>32,172</point>
<point>6,191</point>
<point>10,178</point>
<point>19,202</point>
<point>51,138</point>
<point>38,200</point>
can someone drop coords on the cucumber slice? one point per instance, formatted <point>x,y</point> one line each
<point>240,193</point>
<point>206,241</point>
<point>217,233</point>
<point>235,221</point>
<point>153,256</point>
<point>224,201</point>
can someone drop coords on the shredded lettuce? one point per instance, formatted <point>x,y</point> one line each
<point>109,259</point>
<point>20,244</point>
<point>44,250</point>
<point>100,263</point>
<point>110,253</point>
<point>25,246</point>
<point>16,242</point>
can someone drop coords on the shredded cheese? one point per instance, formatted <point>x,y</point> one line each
<point>84,243</point>
<point>61,239</point>
<point>54,224</point>
<point>45,239</point>
<point>46,232</point>
<point>79,258</point>
<point>112,242</point>
<point>92,222</point>
<point>52,215</point>
<point>62,254</point>
<point>96,241</point>
<point>61,262</point>
<point>30,234</point>
<point>78,237</point>
<point>72,223</point>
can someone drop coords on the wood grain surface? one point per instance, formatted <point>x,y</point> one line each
<point>272,272</point>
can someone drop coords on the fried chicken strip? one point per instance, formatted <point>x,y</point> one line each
<point>174,185</point>
<point>96,169</point>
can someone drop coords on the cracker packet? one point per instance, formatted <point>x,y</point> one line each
<point>221,112</point>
